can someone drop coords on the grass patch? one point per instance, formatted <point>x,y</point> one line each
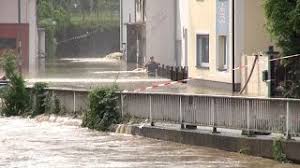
<point>278,152</point>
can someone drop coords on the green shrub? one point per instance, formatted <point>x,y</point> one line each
<point>104,110</point>
<point>53,105</point>
<point>15,96</point>
<point>39,97</point>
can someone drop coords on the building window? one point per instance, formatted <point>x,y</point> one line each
<point>223,53</point>
<point>203,51</point>
<point>7,43</point>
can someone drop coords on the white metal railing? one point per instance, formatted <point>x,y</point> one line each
<point>243,113</point>
<point>257,114</point>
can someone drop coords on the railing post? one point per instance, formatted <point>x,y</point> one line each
<point>176,77</point>
<point>213,109</point>
<point>180,112</point>
<point>288,136</point>
<point>185,73</point>
<point>122,105</point>
<point>172,73</point>
<point>248,116</point>
<point>163,73</point>
<point>74,102</point>
<point>150,102</point>
<point>168,72</point>
<point>159,71</point>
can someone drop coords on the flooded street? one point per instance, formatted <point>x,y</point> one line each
<point>86,73</point>
<point>63,144</point>
<point>105,68</point>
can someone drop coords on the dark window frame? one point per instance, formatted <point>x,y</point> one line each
<point>202,52</point>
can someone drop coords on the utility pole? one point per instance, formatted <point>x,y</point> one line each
<point>233,48</point>
<point>19,11</point>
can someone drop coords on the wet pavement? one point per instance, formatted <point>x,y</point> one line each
<point>63,144</point>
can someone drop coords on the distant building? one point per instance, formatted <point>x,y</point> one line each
<point>208,36</point>
<point>148,28</point>
<point>18,29</point>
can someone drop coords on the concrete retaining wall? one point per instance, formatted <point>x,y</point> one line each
<point>73,102</point>
<point>254,146</point>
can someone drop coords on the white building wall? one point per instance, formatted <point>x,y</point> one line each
<point>127,10</point>
<point>33,36</point>
<point>239,40</point>
<point>9,11</point>
<point>182,29</point>
<point>161,30</point>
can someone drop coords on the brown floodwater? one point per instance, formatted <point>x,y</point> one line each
<point>63,144</point>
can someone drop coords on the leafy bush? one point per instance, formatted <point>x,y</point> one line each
<point>40,94</point>
<point>104,110</point>
<point>15,96</point>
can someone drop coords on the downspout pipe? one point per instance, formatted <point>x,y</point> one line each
<point>121,26</point>
<point>19,11</point>
<point>175,34</point>
<point>19,58</point>
<point>233,47</point>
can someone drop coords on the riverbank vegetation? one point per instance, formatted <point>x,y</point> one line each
<point>104,109</point>
<point>15,98</point>
<point>278,152</point>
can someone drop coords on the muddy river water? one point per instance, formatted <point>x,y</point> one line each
<point>63,144</point>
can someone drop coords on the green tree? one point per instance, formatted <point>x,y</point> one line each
<point>283,23</point>
<point>15,95</point>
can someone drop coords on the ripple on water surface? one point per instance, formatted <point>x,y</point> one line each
<point>37,143</point>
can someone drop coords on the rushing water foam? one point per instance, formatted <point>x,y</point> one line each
<point>58,119</point>
<point>50,141</point>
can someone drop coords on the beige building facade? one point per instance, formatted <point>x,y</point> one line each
<point>9,15</point>
<point>220,32</point>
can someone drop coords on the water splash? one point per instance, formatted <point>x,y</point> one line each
<point>123,129</point>
<point>58,119</point>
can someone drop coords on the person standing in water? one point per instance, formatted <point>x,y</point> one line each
<point>152,67</point>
